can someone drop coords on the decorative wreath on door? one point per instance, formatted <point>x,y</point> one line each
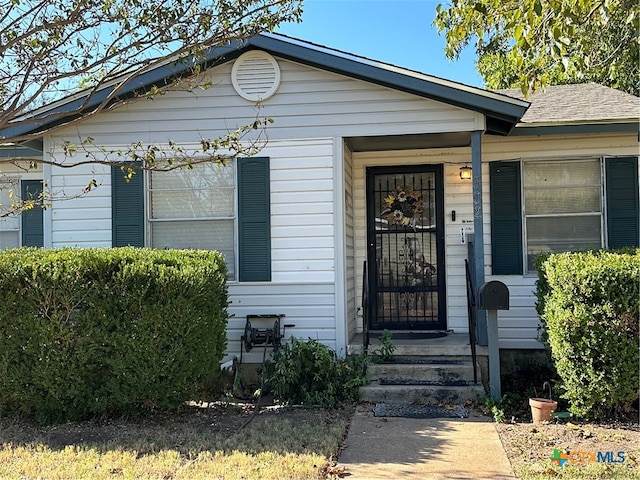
<point>402,208</point>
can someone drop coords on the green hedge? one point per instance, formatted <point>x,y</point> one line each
<point>86,332</point>
<point>589,304</point>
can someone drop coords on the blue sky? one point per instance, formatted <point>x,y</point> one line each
<point>393,31</point>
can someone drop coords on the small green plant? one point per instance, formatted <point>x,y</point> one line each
<point>310,373</point>
<point>387,348</point>
<point>493,406</point>
<point>507,406</point>
<point>498,414</point>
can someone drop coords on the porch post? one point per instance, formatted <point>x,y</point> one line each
<point>340,248</point>
<point>478,232</point>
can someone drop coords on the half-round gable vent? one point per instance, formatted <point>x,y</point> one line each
<point>255,75</point>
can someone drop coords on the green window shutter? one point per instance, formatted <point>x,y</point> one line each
<point>506,218</point>
<point>254,220</point>
<point>127,209</point>
<point>622,202</point>
<point>32,229</point>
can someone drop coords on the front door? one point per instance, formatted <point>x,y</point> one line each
<point>405,238</point>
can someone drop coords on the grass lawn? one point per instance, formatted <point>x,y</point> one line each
<point>197,443</point>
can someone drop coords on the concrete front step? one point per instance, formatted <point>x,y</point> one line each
<point>427,394</point>
<point>434,372</point>
<point>428,371</point>
<point>432,351</point>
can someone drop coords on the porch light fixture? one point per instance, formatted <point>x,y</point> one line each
<point>465,173</point>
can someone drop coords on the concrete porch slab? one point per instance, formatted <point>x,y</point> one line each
<point>454,344</point>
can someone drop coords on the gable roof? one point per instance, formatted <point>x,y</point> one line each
<point>502,112</point>
<point>579,108</point>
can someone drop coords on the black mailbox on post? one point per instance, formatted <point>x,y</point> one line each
<point>493,295</point>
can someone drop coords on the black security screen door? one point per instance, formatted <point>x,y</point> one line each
<point>405,233</point>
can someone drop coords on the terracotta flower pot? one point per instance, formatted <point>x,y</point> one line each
<point>542,409</point>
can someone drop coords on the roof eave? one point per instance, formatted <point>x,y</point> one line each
<point>577,128</point>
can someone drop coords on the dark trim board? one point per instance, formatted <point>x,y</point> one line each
<point>587,128</point>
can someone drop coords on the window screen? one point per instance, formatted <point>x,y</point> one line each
<point>562,206</point>
<point>195,208</point>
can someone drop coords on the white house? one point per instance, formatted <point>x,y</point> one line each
<point>363,163</point>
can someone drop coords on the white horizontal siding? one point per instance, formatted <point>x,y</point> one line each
<point>310,103</point>
<point>302,230</point>
<point>306,265</point>
<point>293,198</point>
<point>302,219</point>
<point>84,221</point>
<point>293,173</point>
<point>310,307</point>
<point>301,186</point>
<point>20,169</point>
<point>303,253</point>
<point>82,238</point>
<point>302,247</point>
<point>80,224</point>
<point>290,232</point>
<point>297,208</point>
<point>60,216</point>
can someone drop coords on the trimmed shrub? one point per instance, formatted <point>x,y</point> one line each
<point>589,305</point>
<point>309,373</point>
<point>86,332</point>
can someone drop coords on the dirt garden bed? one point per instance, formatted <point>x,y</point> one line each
<point>530,449</point>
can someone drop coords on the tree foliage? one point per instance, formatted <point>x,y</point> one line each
<point>533,43</point>
<point>52,48</point>
<point>95,50</point>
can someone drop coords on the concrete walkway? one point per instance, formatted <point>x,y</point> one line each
<point>423,449</point>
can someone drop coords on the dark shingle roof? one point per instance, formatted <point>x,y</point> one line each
<point>581,103</point>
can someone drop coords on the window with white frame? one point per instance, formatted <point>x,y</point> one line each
<point>195,208</point>
<point>9,224</point>
<point>563,206</point>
